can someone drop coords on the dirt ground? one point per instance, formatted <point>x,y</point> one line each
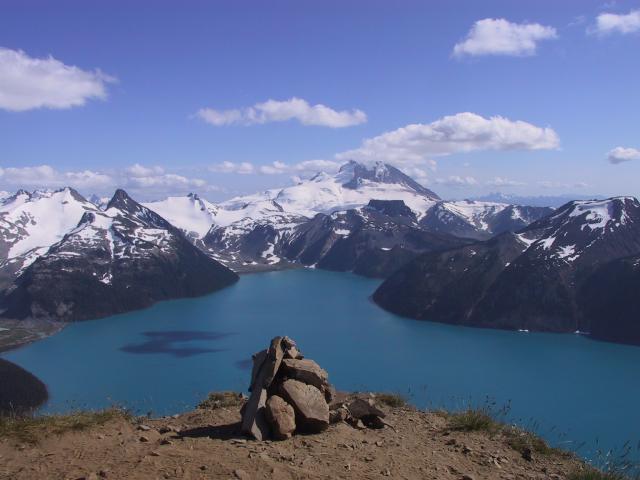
<point>206,444</point>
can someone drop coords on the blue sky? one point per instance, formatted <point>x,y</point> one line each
<point>128,113</point>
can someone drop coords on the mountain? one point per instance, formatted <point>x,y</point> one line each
<point>31,222</point>
<point>479,220</point>
<point>264,230</point>
<point>544,277</point>
<point>192,214</point>
<point>374,240</point>
<point>610,299</point>
<point>250,232</point>
<point>553,201</point>
<point>123,258</point>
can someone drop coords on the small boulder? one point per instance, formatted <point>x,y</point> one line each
<point>281,416</point>
<point>361,408</point>
<point>311,409</point>
<point>307,371</point>
<point>338,415</point>
<point>290,348</point>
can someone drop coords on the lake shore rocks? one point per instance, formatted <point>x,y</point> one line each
<point>292,394</point>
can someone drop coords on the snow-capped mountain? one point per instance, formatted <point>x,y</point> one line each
<point>353,186</point>
<point>192,214</point>
<point>374,240</point>
<point>248,232</point>
<point>253,231</point>
<point>31,222</point>
<point>534,279</point>
<point>479,220</point>
<point>112,261</point>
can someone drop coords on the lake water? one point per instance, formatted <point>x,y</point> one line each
<point>165,358</point>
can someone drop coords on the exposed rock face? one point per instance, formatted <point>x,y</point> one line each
<point>281,417</point>
<point>290,394</point>
<point>373,241</point>
<point>574,270</point>
<point>312,410</point>
<point>479,220</point>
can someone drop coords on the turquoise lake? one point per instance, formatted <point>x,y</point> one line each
<point>578,393</point>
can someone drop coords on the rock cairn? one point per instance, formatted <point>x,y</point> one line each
<point>291,394</point>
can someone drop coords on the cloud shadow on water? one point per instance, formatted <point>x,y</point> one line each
<point>172,342</point>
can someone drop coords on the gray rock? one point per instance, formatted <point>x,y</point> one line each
<point>271,364</point>
<point>254,422</point>
<point>329,394</point>
<point>306,371</point>
<point>290,348</point>
<point>258,360</point>
<point>281,416</point>
<point>312,411</point>
<point>338,415</point>
<point>360,408</point>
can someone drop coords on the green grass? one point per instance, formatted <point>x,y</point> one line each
<point>220,400</point>
<point>482,420</point>
<point>393,400</point>
<point>30,429</point>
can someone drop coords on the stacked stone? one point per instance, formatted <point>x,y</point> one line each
<point>291,394</point>
<point>288,393</point>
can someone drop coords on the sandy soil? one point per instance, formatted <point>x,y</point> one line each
<point>206,444</point>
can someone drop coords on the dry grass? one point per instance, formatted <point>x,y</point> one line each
<point>473,421</point>
<point>221,399</point>
<point>30,429</point>
<point>519,440</point>
<point>393,400</point>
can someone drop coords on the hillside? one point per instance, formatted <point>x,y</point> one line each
<point>563,273</point>
<point>206,443</point>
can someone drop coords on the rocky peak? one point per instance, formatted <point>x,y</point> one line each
<point>355,174</point>
<point>122,201</point>
<point>392,208</point>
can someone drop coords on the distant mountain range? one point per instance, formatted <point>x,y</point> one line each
<point>265,230</point>
<point>553,201</point>
<point>470,262</point>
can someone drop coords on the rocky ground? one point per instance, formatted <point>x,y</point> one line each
<point>207,443</point>
<point>14,333</point>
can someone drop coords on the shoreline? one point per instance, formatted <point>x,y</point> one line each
<point>18,333</point>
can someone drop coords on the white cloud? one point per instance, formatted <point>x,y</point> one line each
<point>497,36</point>
<point>552,184</point>
<point>137,170</point>
<point>48,177</point>
<point>137,178</point>
<point>27,83</point>
<point>413,145</point>
<point>243,168</point>
<point>281,111</point>
<point>277,167</point>
<point>622,154</point>
<point>503,182</point>
<point>607,23</point>
<point>457,181</point>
